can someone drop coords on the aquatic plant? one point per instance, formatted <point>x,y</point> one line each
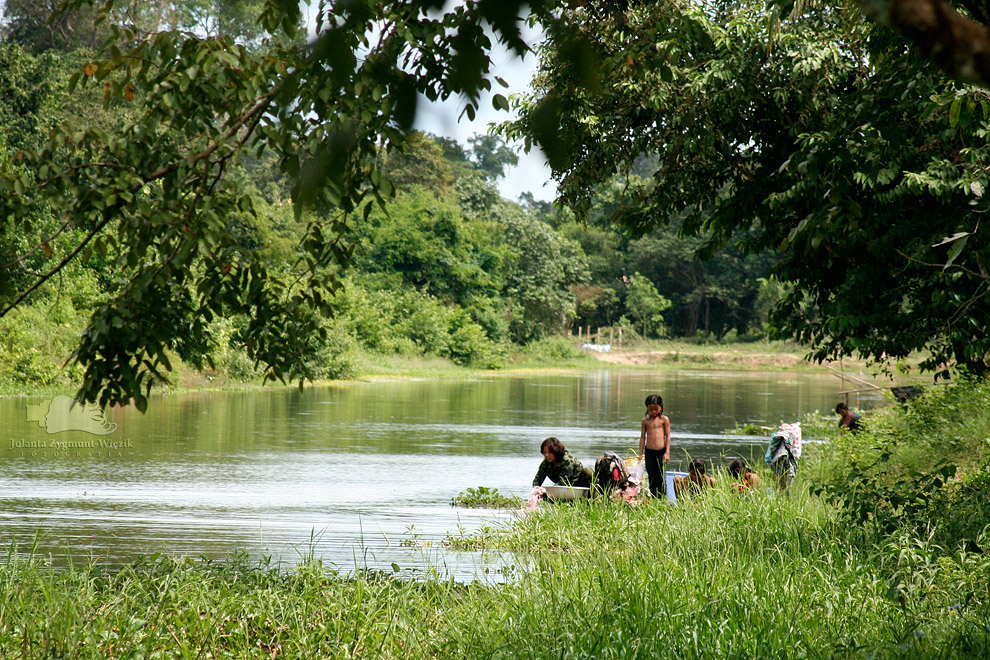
<point>483,497</point>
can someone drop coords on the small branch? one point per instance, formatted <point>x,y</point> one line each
<point>255,110</point>
<point>982,276</point>
<point>50,180</point>
<point>69,257</point>
<point>20,259</point>
<point>243,119</point>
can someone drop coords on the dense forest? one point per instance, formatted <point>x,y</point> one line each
<point>446,268</point>
<point>238,186</point>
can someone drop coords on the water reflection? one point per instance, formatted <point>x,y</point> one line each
<point>360,475</point>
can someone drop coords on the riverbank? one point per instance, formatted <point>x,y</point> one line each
<point>720,577</point>
<point>555,355</point>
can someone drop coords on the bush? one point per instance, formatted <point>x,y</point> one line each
<point>229,355</point>
<point>33,347</point>
<point>963,511</point>
<point>483,497</point>
<point>553,349</point>
<point>921,466</point>
<point>469,345</point>
<point>338,356</point>
<point>409,322</point>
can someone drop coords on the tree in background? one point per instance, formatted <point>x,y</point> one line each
<point>646,306</point>
<point>151,194</point>
<point>420,161</point>
<point>492,155</point>
<point>545,267</point>
<point>26,23</point>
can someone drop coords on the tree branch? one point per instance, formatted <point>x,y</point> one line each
<point>957,44</point>
<point>253,112</point>
<point>69,257</point>
<point>968,271</point>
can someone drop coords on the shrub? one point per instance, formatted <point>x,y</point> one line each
<point>909,469</point>
<point>469,345</point>
<point>483,497</point>
<point>554,349</point>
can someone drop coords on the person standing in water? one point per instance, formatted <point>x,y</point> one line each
<point>654,445</point>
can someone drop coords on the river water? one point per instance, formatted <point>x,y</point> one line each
<point>358,475</point>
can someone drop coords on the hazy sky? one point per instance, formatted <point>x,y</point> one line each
<point>532,174</point>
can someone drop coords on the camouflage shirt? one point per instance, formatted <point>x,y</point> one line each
<point>565,471</point>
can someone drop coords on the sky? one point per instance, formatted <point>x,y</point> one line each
<point>532,173</point>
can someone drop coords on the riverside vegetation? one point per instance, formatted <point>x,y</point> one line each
<point>879,550</point>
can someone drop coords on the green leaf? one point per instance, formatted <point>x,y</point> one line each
<point>954,237</point>
<point>955,251</point>
<point>954,109</point>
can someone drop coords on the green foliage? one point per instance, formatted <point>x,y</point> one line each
<point>28,89</point>
<point>35,340</point>
<point>553,350</point>
<point>483,497</point>
<point>419,162</point>
<point>492,155</point>
<point>424,239</point>
<point>152,192</point>
<point>29,24</point>
<point>469,345</point>
<point>864,167</point>
<point>646,305</point>
<point>544,266</point>
<point>919,467</point>
<point>394,320</point>
<point>714,296</point>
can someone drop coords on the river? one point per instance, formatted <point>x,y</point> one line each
<point>358,475</point>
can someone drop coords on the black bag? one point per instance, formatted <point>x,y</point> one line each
<point>611,472</point>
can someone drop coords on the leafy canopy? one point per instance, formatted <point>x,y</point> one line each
<point>151,194</point>
<point>863,166</point>
<point>154,194</point>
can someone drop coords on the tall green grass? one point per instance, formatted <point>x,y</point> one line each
<point>727,575</point>
<point>166,608</point>
<point>723,575</point>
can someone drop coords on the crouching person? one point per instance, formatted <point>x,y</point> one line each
<point>745,478</point>
<point>697,480</point>
<point>560,466</point>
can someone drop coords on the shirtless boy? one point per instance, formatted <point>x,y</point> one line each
<point>654,438</point>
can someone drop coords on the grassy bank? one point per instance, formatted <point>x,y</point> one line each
<point>722,577</point>
<point>556,354</point>
<point>871,554</point>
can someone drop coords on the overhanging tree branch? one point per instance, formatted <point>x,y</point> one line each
<point>956,43</point>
